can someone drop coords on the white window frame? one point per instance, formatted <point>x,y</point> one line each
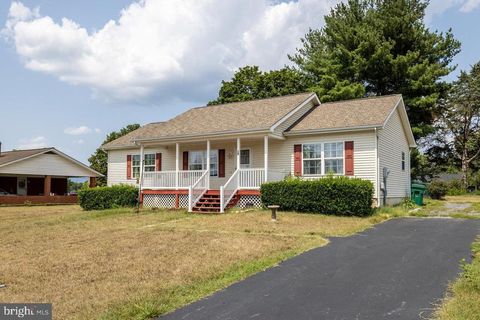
<point>334,158</point>
<point>321,161</point>
<point>145,166</point>
<point>204,160</point>
<point>323,173</point>
<point>245,165</point>
<point>139,166</point>
<point>404,161</point>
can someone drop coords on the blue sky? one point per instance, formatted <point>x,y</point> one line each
<point>67,84</point>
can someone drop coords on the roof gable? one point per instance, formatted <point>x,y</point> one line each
<point>348,114</point>
<point>10,159</point>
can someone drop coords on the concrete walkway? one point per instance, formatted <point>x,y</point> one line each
<point>398,270</point>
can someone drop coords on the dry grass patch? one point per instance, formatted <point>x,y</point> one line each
<point>117,264</point>
<point>463,300</point>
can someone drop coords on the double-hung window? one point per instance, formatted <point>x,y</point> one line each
<point>198,161</point>
<point>312,159</point>
<point>323,158</point>
<point>403,161</point>
<point>245,158</point>
<point>135,166</point>
<point>333,153</point>
<point>149,164</point>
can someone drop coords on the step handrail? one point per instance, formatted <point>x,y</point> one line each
<point>231,187</point>
<point>197,190</point>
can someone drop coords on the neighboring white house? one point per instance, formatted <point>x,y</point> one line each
<point>39,176</point>
<point>214,157</point>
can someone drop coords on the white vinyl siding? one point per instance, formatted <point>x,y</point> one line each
<point>47,164</point>
<point>392,142</point>
<point>281,155</point>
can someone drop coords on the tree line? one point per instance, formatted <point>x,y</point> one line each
<point>374,48</point>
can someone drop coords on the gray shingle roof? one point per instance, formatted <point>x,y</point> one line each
<point>232,117</point>
<point>366,112</point>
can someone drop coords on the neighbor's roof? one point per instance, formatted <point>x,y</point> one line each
<point>8,158</point>
<point>16,155</point>
<point>232,117</point>
<point>365,112</point>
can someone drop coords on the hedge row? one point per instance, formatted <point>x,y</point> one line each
<point>330,195</point>
<point>108,197</point>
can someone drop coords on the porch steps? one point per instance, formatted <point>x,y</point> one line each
<point>210,202</point>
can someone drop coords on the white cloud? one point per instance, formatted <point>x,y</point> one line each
<point>76,131</point>
<point>97,130</point>
<point>80,141</point>
<point>160,49</point>
<point>438,7</point>
<point>470,5</point>
<point>33,143</point>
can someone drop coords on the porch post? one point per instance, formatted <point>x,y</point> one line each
<point>47,186</point>
<point>208,164</point>
<point>142,162</point>
<point>238,153</point>
<point>177,164</point>
<point>265,157</point>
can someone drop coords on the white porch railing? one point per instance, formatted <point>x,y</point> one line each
<point>246,179</point>
<point>251,178</point>
<point>197,190</point>
<point>228,190</point>
<point>182,179</point>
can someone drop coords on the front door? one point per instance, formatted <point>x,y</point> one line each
<point>22,186</point>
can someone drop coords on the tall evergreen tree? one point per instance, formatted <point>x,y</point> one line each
<point>99,159</point>
<point>379,47</point>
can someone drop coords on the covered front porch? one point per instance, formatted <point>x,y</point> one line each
<point>222,170</point>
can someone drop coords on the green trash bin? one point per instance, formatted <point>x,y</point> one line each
<point>418,190</point>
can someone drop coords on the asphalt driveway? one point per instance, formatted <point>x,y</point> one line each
<point>398,270</point>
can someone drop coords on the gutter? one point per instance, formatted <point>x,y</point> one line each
<point>333,130</point>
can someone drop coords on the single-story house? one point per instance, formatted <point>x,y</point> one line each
<point>215,157</point>
<point>39,176</point>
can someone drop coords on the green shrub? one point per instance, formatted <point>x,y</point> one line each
<point>437,189</point>
<point>330,195</point>
<point>455,188</point>
<point>101,198</point>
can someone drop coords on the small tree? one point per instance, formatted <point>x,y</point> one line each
<point>459,120</point>
<point>249,83</point>
<point>98,160</point>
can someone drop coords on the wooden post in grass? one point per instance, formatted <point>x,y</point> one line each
<point>274,211</point>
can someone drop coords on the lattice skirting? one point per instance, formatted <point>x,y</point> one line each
<point>159,201</point>
<point>183,201</point>
<point>249,201</point>
<point>164,201</point>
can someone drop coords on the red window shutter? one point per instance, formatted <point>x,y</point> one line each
<point>185,160</point>
<point>129,166</point>
<point>349,158</point>
<point>158,162</point>
<point>221,163</point>
<point>297,160</point>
